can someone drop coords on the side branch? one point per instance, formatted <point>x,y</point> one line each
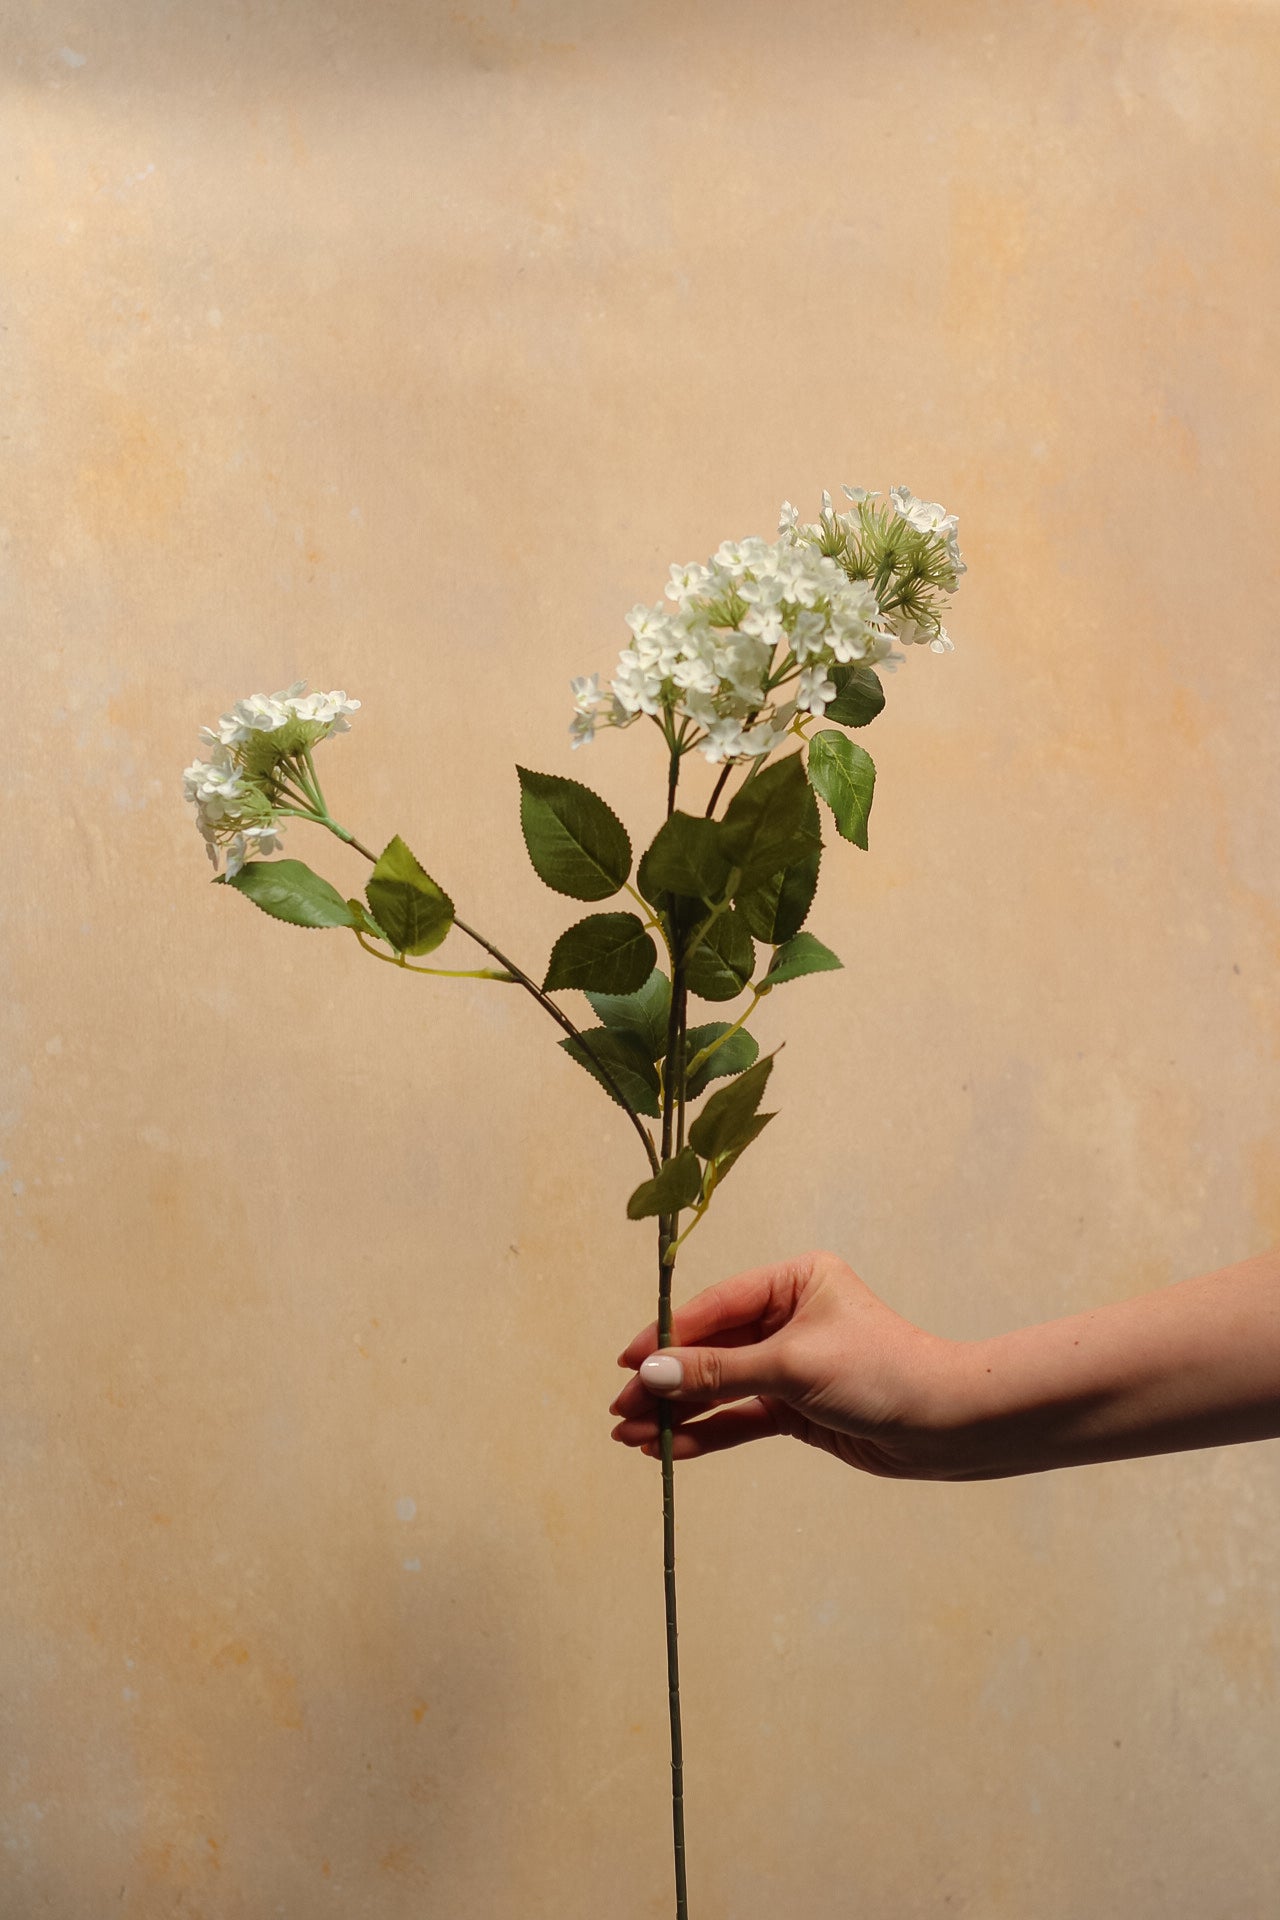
<point>562,1020</point>
<point>518,975</point>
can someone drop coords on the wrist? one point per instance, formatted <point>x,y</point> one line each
<point>983,1420</point>
<point>941,1414</point>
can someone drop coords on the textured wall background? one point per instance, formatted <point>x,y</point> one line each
<point>402,348</point>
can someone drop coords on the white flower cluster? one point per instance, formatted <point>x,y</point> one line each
<point>745,643</point>
<point>258,766</point>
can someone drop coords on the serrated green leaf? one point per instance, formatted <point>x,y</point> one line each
<point>575,840</point>
<point>798,956</point>
<point>644,1014</point>
<point>628,1063</point>
<point>859,696</point>
<point>606,953</point>
<point>678,1185</point>
<point>733,1055</point>
<point>416,913</point>
<point>289,891</point>
<point>776,908</point>
<point>765,823</point>
<point>753,1130</point>
<point>723,960</point>
<point>722,1126</point>
<point>686,857</point>
<point>845,775</point>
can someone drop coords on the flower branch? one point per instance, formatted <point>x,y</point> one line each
<point>770,642</point>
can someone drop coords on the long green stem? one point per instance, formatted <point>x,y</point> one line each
<point>668,1225</point>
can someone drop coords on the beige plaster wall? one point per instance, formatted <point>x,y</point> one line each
<point>402,347</point>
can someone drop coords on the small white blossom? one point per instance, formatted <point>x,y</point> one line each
<point>255,840</point>
<point>648,623</point>
<point>590,706</point>
<point>723,741</point>
<point>815,690</point>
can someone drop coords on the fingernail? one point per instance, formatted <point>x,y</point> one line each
<point>661,1372</point>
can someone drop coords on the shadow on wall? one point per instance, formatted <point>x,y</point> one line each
<point>151,46</point>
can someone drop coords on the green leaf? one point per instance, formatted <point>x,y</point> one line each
<point>723,960</point>
<point>678,1185</point>
<point>734,1055</point>
<point>288,890</point>
<point>362,919</point>
<point>800,955</point>
<point>845,775</point>
<point>765,826</point>
<point>777,908</point>
<point>724,1125</point>
<point>687,858</point>
<point>628,1063</point>
<point>607,952</point>
<point>644,1014</point>
<point>859,696</point>
<point>577,844</point>
<point>753,1130</point>
<point>405,900</point>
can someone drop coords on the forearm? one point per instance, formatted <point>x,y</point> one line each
<point>1193,1365</point>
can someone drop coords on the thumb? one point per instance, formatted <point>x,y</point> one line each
<point>714,1373</point>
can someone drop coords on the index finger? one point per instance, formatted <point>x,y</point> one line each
<point>727,1306</point>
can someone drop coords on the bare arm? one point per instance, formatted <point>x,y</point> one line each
<point>805,1348</point>
<point>1191,1365</point>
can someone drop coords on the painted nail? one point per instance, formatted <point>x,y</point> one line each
<point>661,1372</point>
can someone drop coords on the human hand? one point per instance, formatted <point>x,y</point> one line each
<point>803,1348</point>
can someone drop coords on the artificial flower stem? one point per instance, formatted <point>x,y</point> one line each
<point>348,839</point>
<point>315,782</point>
<point>719,787</point>
<point>297,777</point>
<point>296,790</point>
<point>668,1225</point>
